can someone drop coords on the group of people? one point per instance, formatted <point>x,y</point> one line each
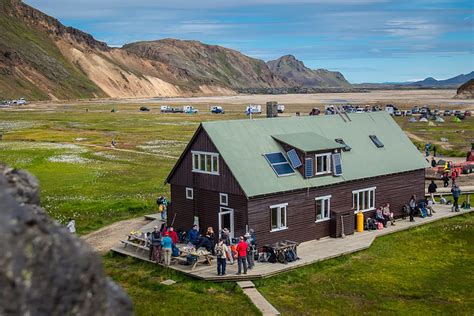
<point>424,207</point>
<point>162,243</point>
<point>383,215</point>
<point>225,251</point>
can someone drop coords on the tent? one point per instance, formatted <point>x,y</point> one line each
<point>431,123</point>
<point>456,119</point>
<point>439,119</point>
<point>423,119</point>
<point>412,120</point>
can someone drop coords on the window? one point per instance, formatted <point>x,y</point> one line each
<point>278,217</point>
<point>279,164</point>
<point>223,199</point>
<point>323,163</point>
<point>189,193</point>
<point>205,162</point>
<point>322,208</point>
<point>337,164</point>
<point>342,142</point>
<point>376,141</point>
<point>363,200</point>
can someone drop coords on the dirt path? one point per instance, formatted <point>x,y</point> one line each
<point>105,238</point>
<point>125,150</point>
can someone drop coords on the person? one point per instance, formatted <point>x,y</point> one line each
<point>167,245</point>
<point>204,242</point>
<point>445,179</point>
<point>432,190</point>
<point>162,206</point>
<point>173,235</point>
<point>433,162</point>
<point>412,205</point>
<point>379,217</point>
<point>429,207</point>
<point>225,236</point>
<point>387,214</point>
<point>242,255</point>
<point>193,235</point>
<point>155,244</point>
<point>71,225</point>
<point>453,177</point>
<point>221,250</point>
<point>113,143</point>
<point>211,236</point>
<point>250,261</point>
<point>434,150</point>
<point>163,229</point>
<point>427,149</point>
<point>456,191</point>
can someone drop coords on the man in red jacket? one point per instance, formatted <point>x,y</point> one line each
<point>173,235</point>
<point>242,255</point>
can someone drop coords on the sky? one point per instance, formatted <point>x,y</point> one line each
<point>367,40</point>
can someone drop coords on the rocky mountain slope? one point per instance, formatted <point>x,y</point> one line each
<point>453,82</point>
<point>466,91</point>
<point>42,59</point>
<point>292,69</point>
<point>210,64</point>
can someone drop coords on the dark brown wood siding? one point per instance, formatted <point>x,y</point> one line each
<point>206,205</point>
<point>184,176</point>
<point>395,189</point>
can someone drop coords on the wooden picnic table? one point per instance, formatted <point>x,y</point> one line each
<point>280,248</point>
<point>205,258</point>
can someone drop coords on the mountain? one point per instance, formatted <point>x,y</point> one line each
<point>209,64</point>
<point>466,91</point>
<point>431,82</point>
<point>292,69</point>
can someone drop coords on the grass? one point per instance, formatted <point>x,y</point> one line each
<point>425,270</point>
<point>187,297</point>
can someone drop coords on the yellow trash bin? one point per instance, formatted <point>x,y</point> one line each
<point>360,222</point>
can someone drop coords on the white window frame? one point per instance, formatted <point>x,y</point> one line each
<point>321,198</point>
<point>226,197</point>
<point>372,196</point>
<point>328,163</point>
<point>208,155</point>
<point>279,225</point>
<point>190,193</point>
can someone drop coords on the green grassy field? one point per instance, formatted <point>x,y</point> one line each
<point>426,270</point>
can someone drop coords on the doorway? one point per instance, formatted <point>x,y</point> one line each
<point>226,220</point>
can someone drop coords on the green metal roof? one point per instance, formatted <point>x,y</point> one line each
<point>242,144</point>
<point>307,141</point>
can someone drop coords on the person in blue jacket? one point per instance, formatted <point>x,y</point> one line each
<point>193,235</point>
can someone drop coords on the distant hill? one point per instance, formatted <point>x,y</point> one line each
<point>466,91</point>
<point>208,64</point>
<point>292,69</point>
<point>451,82</point>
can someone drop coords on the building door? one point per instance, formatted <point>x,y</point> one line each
<point>226,220</point>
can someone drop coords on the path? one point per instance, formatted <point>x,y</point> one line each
<point>104,239</point>
<point>257,298</point>
<point>124,150</point>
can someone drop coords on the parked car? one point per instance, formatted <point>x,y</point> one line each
<point>415,110</point>
<point>436,112</point>
<point>467,113</point>
<point>398,113</point>
<point>190,109</point>
<point>166,109</point>
<point>144,109</point>
<point>217,109</point>
<point>457,113</point>
<point>253,109</point>
<point>447,112</point>
<point>408,113</point>
<point>360,110</point>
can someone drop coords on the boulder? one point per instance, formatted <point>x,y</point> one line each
<point>45,270</point>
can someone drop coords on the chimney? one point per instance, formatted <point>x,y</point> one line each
<point>272,109</point>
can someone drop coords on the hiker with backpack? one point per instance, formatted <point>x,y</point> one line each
<point>456,191</point>
<point>162,203</point>
<point>250,261</point>
<point>432,190</point>
<point>221,251</point>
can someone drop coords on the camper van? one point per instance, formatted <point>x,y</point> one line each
<point>253,109</point>
<point>190,109</point>
<point>280,108</point>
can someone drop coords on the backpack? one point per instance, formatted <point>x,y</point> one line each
<point>379,225</point>
<point>220,251</point>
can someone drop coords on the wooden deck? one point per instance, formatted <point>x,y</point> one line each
<point>309,252</point>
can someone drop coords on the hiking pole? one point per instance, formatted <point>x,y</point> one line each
<point>174,217</point>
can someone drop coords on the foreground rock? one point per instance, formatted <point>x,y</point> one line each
<point>44,270</point>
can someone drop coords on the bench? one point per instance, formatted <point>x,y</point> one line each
<point>137,246</point>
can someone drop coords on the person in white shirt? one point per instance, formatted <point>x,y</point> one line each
<point>71,226</point>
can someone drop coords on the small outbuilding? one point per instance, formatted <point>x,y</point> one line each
<point>297,178</point>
